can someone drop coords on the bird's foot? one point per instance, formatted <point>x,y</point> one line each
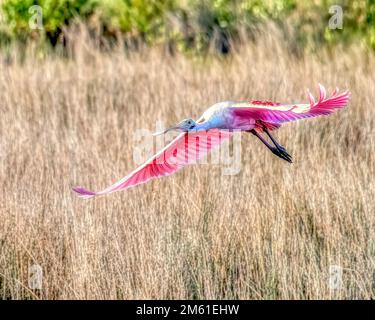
<point>281,152</point>
<point>284,152</point>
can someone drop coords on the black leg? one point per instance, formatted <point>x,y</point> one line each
<point>283,155</point>
<point>277,145</point>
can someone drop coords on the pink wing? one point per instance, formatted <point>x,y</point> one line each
<point>185,149</point>
<point>277,114</point>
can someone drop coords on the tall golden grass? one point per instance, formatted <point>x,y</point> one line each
<point>270,232</point>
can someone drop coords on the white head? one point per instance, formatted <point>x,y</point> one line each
<point>185,125</point>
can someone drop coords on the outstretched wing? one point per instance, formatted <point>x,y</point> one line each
<point>275,113</point>
<point>185,149</point>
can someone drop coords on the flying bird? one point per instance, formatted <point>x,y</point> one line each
<point>197,138</point>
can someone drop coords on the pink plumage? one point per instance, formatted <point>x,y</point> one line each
<point>276,113</point>
<point>200,137</point>
<point>186,149</point>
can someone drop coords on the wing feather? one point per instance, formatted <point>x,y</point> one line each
<point>278,114</point>
<point>185,149</point>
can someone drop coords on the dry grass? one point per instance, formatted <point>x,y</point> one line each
<point>272,231</point>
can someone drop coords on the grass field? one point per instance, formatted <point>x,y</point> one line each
<point>270,232</point>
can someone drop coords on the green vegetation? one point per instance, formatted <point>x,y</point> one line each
<point>191,24</point>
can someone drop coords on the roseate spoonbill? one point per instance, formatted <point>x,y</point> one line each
<point>198,138</point>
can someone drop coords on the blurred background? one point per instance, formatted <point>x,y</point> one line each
<point>191,26</point>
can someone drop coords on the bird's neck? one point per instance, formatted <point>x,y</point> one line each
<point>203,126</point>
